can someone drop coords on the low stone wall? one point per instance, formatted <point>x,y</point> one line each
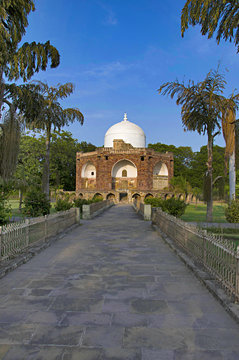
<point>92,210</point>
<point>143,209</point>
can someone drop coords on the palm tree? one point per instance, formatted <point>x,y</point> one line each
<point>20,62</point>
<point>52,115</point>
<point>17,62</point>
<point>10,130</point>
<point>220,16</point>
<point>229,133</point>
<point>201,111</point>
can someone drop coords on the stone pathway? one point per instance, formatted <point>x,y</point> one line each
<point>111,289</point>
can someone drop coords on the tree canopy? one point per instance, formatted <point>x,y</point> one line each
<point>62,159</point>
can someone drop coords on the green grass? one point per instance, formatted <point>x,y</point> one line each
<point>197,213</point>
<point>227,233</point>
<point>15,209</point>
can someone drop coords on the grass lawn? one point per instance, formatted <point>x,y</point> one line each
<point>15,209</point>
<point>197,213</point>
<point>226,233</point>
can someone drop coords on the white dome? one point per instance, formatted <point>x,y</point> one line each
<point>127,131</point>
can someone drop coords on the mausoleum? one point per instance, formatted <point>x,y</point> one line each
<point>124,168</point>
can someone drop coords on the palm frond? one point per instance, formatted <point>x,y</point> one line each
<point>221,16</point>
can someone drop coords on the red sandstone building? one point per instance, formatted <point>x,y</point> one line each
<point>124,168</point>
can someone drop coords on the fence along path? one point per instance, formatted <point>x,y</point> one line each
<point>18,236</point>
<point>219,256</point>
<point>111,289</point>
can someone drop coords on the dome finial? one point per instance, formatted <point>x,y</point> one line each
<point>125,117</point>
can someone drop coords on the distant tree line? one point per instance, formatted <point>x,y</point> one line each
<point>31,159</point>
<point>188,164</point>
<point>193,165</point>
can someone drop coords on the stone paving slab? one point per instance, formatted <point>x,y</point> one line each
<point>111,290</point>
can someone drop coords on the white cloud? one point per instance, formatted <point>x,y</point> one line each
<point>107,70</point>
<point>110,17</point>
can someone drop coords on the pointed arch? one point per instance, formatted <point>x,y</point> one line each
<point>88,171</point>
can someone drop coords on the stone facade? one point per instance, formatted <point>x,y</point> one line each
<point>136,177</point>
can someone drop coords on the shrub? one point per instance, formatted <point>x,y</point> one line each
<point>97,198</point>
<point>171,206</point>
<point>174,207</point>
<point>5,210</point>
<point>36,203</point>
<point>232,212</point>
<point>154,202</point>
<point>63,205</point>
<point>78,202</point>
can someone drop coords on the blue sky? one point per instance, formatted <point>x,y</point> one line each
<point>118,53</point>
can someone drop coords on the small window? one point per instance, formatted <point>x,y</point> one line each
<point>106,157</point>
<point>124,173</point>
<point>92,173</point>
<point>142,158</point>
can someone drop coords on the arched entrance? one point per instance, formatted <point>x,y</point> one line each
<point>110,196</point>
<point>148,196</point>
<point>160,176</point>
<point>88,174</point>
<point>98,196</point>
<point>124,175</point>
<point>136,198</point>
<point>123,197</point>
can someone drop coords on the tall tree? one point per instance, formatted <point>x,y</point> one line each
<point>199,165</point>
<point>52,116</point>
<point>201,109</point>
<point>63,160</point>
<point>19,62</point>
<point>229,133</point>
<point>221,16</point>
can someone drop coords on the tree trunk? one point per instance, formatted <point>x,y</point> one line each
<point>232,176</point>
<point>20,200</point>
<point>209,168</point>
<point>1,91</point>
<point>46,169</point>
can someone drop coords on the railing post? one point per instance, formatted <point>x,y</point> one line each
<point>46,226</point>
<point>237,276</point>
<point>78,216</point>
<point>27,221</point>
<point>186,239</point>
<point>204,247</point>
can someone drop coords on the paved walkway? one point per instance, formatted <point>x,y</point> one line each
<point>111,289</point>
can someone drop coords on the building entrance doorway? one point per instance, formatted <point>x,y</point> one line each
<point>123,197</point>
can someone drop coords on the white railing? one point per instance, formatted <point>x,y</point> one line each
<point>219,256</point>
<point>18,236</point>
